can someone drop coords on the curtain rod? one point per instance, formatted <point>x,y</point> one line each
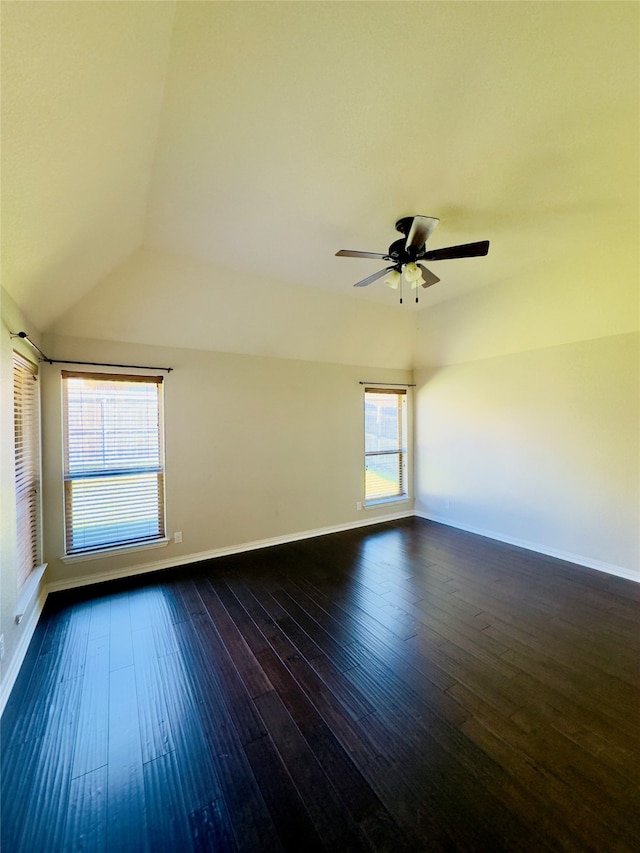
<point>399,384</point>
<point>25,337</point>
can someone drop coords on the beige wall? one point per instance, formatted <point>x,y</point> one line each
<point>256,448</point>
<point>541,448</point>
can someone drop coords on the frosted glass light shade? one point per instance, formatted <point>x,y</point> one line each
<point>393,279</point>
<point>412,272</point>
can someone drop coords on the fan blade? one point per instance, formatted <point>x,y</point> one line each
<point>467,250</point>
<point>428,276</point>
<point>370,279</point>
<point>348,253</point>
<point>421,229</point>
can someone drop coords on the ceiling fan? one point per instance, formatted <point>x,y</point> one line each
<point>404,254</point>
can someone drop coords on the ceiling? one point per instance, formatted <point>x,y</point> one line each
<point>260,138</point>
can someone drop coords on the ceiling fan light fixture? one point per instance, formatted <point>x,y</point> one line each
<point>393,279</point>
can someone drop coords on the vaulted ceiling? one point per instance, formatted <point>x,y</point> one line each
<point>257,139</point>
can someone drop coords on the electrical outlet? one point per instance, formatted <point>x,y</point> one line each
<point>177,537</point>
<point>1,646</point>
<point>359,506</point>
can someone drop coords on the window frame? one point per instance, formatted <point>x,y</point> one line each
<point>402,450</point>
<point>114,546</point>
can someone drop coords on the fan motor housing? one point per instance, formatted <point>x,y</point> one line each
<point>399,253</point>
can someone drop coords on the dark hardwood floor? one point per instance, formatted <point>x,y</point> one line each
<point>403,687</point>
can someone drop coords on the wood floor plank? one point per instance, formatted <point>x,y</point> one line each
<point>92,738</point>
<point>153,695</point>
<point>167,811</point>
<point>100,618</point>
<point>127,828</point>
<point>121,643</point>
<point>210,830</point>
<point>86,819</point>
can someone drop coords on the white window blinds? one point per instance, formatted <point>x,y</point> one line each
<point>113,460</point>
<point>26,401</point>
<point>385,426</point>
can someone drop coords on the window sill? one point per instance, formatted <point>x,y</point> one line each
<point>383,501</point>
<point>84,556</point>
<point>28,591</point>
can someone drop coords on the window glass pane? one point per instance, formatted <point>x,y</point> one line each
<point>112,426</point>
<point>385,445</point>
<point>382,422</point>
<point>111,510</point>
<point>114,483</point>
<point>383,476</point>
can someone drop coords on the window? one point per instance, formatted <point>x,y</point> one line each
<point>113,461</point>
<point>26,413</point>
<point>385,445</point>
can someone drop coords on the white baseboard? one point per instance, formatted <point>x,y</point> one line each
<point>173,562</point>
<point>19,655</point>
<point>577,559</point>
